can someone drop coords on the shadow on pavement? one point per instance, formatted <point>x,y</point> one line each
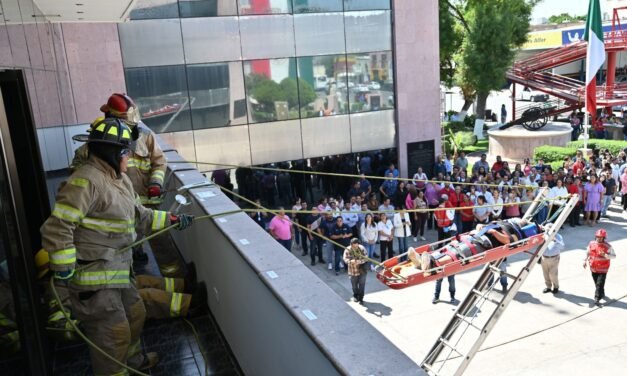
<point>525,297</point>
<point>377,309</point>
<point>576,299</point>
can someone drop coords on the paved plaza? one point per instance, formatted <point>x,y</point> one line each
<point>539,334</point>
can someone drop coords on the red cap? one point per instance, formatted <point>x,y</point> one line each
<point>601,233</point>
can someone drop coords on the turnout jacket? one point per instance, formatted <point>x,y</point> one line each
<point>146,164</point>
<point>97,213</point>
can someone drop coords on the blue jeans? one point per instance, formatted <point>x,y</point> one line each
<point>370,248</point>
<point>297,236</point>
<point>286,243</point>
<point>328,253</point>
<point>607,200</point>
<point>451,286</point>
<point>541,216</point>
<point>502,280</point>
<point>402,244</point>
<point>339,252</point>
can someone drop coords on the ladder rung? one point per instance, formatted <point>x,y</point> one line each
<point>483,296</point>
<point>447,344</point>
<point>428,367</point>
<point>464,319</point>
<point>498,270</point>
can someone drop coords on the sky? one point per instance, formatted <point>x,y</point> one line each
<point>548,8</point>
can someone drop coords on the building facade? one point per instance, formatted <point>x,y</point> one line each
<point>259,81</point>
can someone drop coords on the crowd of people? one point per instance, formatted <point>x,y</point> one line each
<point>384,214</point>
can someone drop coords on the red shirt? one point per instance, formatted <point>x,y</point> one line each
<point>497,166</point>
<point>573,189</point>
<point>454,199</point>
<point>578,165</point>
<point>447,191</point>
<point>467,214</point>
<point>598,125</point>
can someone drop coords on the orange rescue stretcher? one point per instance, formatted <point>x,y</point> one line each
<point>398,275</point>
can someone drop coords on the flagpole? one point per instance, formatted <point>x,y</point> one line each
<point>586,122</point>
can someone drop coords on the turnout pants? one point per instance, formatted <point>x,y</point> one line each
<point>113,319</point>
<point>163,297</point>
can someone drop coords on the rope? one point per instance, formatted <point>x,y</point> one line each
<point>377,263</point>
<point>73,324</point>
<point>337,174</point>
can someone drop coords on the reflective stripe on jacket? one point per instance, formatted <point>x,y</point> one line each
<point>442,218</point>
<point>96,214</point>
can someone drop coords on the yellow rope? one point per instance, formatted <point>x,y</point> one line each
<point>276,169</point>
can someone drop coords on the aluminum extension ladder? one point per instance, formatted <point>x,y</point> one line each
<point>481,309</point>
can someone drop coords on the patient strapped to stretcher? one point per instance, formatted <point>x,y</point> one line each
<point>466,246</point>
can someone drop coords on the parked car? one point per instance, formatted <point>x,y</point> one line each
<point>528,94</point>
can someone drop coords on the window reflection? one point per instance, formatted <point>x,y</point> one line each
<point>272,90</point>
<point>327,75</point>
<point>161,95</point>
<point>216,92</point>
<point>249,7</point>
<point>366,4</point>
<point>311,6</point>
<point>370,81</point>
<point>207,8</point>
<point>151,9</point>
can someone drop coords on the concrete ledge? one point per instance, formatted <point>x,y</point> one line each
<point>277,315</point>
<point>518,143</point>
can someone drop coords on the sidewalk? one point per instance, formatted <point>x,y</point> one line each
<point>539,334</point>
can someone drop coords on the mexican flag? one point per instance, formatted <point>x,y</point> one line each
<point>595,56</point>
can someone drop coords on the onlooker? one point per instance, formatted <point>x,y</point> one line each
<point>600,252</point>
<point>369,235</point>
<point>482,163</point>
<point>592,192</point>
<point>301,219</point>
<point>386,208</point>
<point>312,222</point>
<point>296,207</point>
<point>281,229</point>
<point>402,229</point>
<point>420,203</point>
<point>420,179</point>
<point>575,188</point>
<point>341,235</point>
<point>610,190</point>
<point>623,190</point>
<point>388,188</point>
<point>550,263</point>
<point>467,215</point>
<point>354,258</point>
<point>385,228</point>
<point>503,114</point>
<point>481,211</point>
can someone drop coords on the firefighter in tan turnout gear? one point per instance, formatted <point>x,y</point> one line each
<point>96,214</point>
<point>146,162</point>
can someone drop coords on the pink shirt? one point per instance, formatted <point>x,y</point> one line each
<point>623,180</point>
<point>281,227</point>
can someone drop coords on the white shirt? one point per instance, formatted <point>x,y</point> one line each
<point>557,192</point>
<point>385,230</point>
<point>399,232</point>
<point>350,218</point>
<point>421,176</point>
<point>369,234</point>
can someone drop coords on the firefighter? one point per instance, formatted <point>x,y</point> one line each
<point>600,252</point>
<point>146,164</point>
<point>95,215</point>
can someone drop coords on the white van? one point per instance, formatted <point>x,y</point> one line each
<point>528,94</point>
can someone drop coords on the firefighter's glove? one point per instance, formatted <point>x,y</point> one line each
<point>65,275</point>
<point>184,220</point>
<point>154,190</point>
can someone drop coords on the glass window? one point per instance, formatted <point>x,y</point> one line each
<point>368,31</point>
<point>150,9</point>
<point>267,37</point>
<point>323,87</point>
<point>149,43</point>
<point>207,8</point>
<point>313,6</point>
<point>249,7</point>
<point>216,92</point>
<point>161,95</point>
<point>370,81</point>
<point>366,4</point>
<point>271,89</point>
<point>211,39</point>
<point>319,34</point>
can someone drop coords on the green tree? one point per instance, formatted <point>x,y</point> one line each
<point>565,17</point>
<point>494,30</point>
<point>265,91</point>
<point>450,42</point>
<point>306,92</point>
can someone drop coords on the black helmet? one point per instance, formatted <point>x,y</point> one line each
<point>111,131</point>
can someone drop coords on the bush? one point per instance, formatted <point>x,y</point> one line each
<point>550,153</point>
<point>454,126</point>
<point>469,121</point>
<point>614,146</point>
